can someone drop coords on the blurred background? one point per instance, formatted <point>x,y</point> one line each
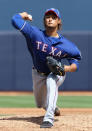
<point>15,60</point>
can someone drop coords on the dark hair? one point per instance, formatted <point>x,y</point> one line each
<point>59,25</point>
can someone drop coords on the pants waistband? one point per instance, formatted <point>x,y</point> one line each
<point>41,73</point>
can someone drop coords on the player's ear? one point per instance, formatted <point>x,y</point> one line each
<point>59,24</point>
<point>59,21</point>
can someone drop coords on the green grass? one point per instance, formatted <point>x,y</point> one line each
<point>17,101</point>
<point>75,101</point>
<point>28,101</point>
<point>7,115</point>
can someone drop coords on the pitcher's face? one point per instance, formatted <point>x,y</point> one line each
<point>51,20</point>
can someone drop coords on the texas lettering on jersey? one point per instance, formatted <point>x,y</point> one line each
<point>38,42</point>
<point>53,50</point>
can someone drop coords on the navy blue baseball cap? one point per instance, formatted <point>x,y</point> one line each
<point>55,11</point>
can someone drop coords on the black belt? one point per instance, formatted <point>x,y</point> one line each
<point>41,73</point>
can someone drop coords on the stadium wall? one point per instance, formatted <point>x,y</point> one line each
<point>16,63</point>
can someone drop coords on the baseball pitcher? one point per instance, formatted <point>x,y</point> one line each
<point>47,48</point>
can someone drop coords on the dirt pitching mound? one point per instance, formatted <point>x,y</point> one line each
<point>29,119</point>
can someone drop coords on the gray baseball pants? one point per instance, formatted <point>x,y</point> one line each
<point>45,90</point>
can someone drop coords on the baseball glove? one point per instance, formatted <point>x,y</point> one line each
<point>55,66</point>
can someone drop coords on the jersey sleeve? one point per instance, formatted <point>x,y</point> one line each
<point>74,61</point>
<point>23,26</point>
<point>76,54</point>
<point>75,58</point>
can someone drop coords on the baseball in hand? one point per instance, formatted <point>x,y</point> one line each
<point>30,17</point>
